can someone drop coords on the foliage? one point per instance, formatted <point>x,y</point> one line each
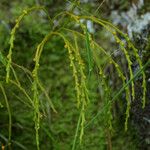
<point>37,66</point>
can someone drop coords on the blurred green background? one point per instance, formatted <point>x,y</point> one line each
<point>57,130</point>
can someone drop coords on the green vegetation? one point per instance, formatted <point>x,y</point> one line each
<point>62,87</point>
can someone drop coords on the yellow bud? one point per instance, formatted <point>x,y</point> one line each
<point>114,33</point>
<point>118,41</point>
<point>25,12</point>
<point>116,65</point>
<point>37,65</point>
<point>34,59</point>
<point>122,44</point>
<point>100,73</point>
<point>110,61</point>
<point>66,46</point>
<point>71,65</point>
<point>104,76</point>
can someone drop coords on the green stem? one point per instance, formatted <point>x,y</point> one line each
<point>9,114</point>
<point>77,130</point>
